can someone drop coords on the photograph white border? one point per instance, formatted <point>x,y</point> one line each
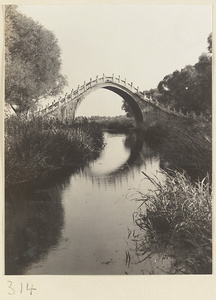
<point>151,287</point>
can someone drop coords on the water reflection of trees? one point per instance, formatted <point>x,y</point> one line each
<point>33,225</point>
<point>57,179</point>
<point>34,218</point>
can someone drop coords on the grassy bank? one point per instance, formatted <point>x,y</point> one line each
<point>37,146</point>
<point>177,221</point>
<point>183,144</point>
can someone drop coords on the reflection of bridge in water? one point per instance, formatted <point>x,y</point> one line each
<point>141,157</point>
<point>142,107</point>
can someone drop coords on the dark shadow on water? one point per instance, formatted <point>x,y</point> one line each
<point>37,223</point>
<point>34,218</point>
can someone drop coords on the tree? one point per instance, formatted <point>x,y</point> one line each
<point>32,61</point>
<point>210,43</point>
<point>191,88</point>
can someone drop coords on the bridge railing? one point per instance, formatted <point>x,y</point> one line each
<point>118,80</point>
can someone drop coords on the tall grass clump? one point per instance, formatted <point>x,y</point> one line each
<point>177,221</point>
<point>36,146</point>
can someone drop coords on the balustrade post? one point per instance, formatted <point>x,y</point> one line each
<point>119,78</point>
<point>97,79</point>
<point>131,85</point>
<point>113,77</point>
<point>125,82</point>
<point>84,86</point>
<point>90,82</point>
<point>103,78</point>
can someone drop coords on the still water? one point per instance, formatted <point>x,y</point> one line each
<point>79,223</point>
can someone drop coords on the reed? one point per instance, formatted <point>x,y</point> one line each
<point>176,217</point>
<point>36,146</point>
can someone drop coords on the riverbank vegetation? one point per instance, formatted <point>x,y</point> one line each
<point>35,146</point>
<point>116,123</point>
<point>177,222</point>
<point>183,144</point>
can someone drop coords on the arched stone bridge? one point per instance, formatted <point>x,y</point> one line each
<point>143,108</point>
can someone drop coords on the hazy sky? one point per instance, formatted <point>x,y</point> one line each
<point>142,43</point>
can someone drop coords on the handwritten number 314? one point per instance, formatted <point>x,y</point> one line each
<point>13,291</point>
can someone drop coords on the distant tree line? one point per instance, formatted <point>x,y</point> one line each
<point>32,61</point>
<point>189,89</point>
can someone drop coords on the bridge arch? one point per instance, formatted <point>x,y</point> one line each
<point>118,89</point>
<point>130,100</point>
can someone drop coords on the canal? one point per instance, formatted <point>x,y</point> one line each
<point>78,222</point>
